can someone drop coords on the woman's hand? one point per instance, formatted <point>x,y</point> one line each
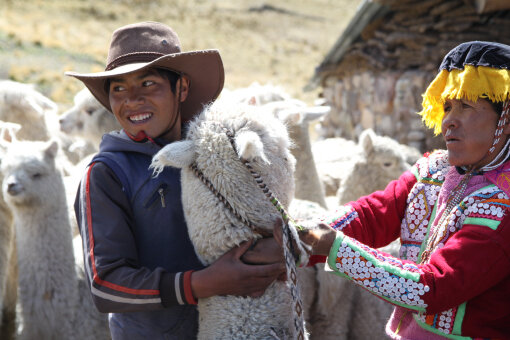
<point>229,275</point>
<point>320,238</point>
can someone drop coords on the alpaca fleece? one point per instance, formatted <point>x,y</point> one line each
<point>263,140</point>
<point>54,303</point>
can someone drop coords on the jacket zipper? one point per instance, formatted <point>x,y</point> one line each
<point>161,192</point>
<point>157,195</point>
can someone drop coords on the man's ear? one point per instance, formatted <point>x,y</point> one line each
<point>183,86</point>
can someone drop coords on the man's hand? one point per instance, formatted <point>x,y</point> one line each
<point>267,250</point>
<point>263,251</point>
<point>231,276</point>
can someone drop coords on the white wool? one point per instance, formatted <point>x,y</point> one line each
<point>182,155</point>
<point>8,267</point>
<point>382,159</point>
<point>23,104</point>
<point>53,302</point>
<point>334,308</point>
<point>87,119</point>
<point>213,229</point>
<point>250,147</point>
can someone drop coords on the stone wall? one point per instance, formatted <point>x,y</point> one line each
<point>378,81</point>
<point>387,103</point>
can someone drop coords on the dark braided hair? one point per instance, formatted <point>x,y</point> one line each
<point>497,106</point>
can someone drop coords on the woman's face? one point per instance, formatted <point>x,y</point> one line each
<point>468,129</point>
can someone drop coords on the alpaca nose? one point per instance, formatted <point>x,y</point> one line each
<point>13,188</point>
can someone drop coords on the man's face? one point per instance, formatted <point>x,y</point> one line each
<point>144,101</point>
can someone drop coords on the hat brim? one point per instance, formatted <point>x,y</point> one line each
<point>204,69</point>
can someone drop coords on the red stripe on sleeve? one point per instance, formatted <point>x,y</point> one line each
<point>96,277</point>
<point>187,288</point>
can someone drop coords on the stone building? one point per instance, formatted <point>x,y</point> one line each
<point>375,74</point>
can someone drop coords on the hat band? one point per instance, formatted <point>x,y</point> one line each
<point>132,58</point>
<point>470,83</point>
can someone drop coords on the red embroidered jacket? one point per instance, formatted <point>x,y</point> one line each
<point>463,291</point>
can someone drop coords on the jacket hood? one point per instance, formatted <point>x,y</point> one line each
<point>119,141</point>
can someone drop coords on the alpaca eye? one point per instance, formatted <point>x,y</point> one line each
<point>89,111</point>
<point>37,175</point>
<point>387,164</point>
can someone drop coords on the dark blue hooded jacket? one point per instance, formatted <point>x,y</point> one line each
<point>137,252</point>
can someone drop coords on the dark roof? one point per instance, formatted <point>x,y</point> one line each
<point>388,31</point>
<point>367,12</point>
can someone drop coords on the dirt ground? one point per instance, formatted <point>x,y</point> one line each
<point>278,42</point>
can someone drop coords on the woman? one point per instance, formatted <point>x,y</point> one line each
<point>451,212</point>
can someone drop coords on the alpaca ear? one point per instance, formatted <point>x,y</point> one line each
<point>312,113</point>
<point>249,146</point>
<point>290,117</point>
<point>8,132</point>
<point>40,104</point>
<point>301,114</point>
<point>51,149</point>
<point>366,140</point>
<point>178,154</point>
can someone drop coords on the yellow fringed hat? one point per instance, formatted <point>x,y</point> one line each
<point>471,70</point>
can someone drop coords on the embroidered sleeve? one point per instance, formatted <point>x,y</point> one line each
<point>456,273</point>
<point>375,219</point>
<point>394,280</point>
<point>342,217</point>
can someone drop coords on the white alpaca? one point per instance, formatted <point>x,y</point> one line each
<point>53,302</point>
<point>334,309</point>
<point>8,266</point>
<point>338,309</point>
<point>263,140</point>
<point>382,160</point>
<point>298,116</point>
<point>349,170</point>
<point>88,119</point>
<point>23,104</point>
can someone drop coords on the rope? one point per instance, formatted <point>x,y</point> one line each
<point>226,203</point>
<point>289,233</point>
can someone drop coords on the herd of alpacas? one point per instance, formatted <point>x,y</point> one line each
<point>43,154</point>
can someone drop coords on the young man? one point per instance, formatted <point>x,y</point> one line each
<point>140,263</point>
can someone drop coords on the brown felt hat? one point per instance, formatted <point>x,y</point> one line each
<point>155,45</point>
